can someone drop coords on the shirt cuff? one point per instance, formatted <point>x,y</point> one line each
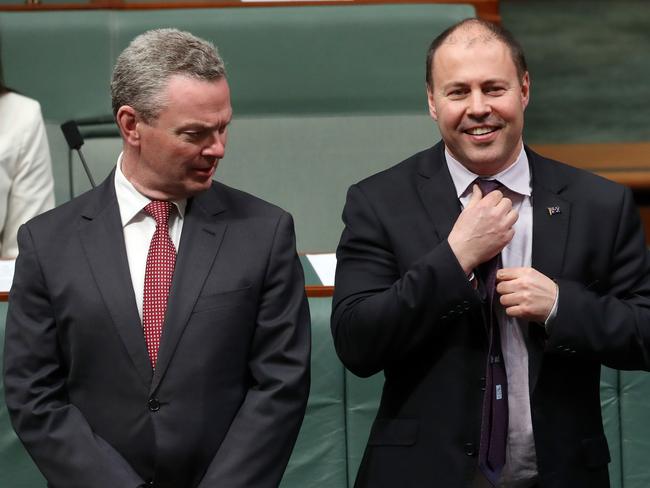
<point>553,312</point>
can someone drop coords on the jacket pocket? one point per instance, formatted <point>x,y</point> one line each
<point>393,432</point>
<point>225,299</point>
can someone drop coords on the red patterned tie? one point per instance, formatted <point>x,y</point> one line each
<point>157,277</point>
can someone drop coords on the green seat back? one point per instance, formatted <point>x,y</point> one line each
<point>635,428</point>
<point>323,95</point>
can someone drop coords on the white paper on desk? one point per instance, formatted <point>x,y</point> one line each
<point>6,273</point>
<point>325,267</point>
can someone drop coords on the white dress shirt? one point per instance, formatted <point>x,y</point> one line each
<point>521,466</point>
<point>139,227</point>
<point>26,183</point>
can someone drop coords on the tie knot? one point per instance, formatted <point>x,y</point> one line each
<point>488,186</point>
<point>159,210</point>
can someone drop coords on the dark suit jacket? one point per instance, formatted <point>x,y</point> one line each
<point>227,398</point>
<point>404,305</point>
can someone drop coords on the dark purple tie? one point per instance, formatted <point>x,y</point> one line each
<point>494,424</point>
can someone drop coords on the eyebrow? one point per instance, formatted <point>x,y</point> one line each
<point>460,84</point>
<point>201,126</point>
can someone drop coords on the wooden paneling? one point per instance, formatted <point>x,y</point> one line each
<point>486,9</point>
<point>625,163</point>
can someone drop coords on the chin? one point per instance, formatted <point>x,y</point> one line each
<point>197,188</point>
<point>487,164</point>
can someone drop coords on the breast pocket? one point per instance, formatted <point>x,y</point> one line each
<point>240,297</point>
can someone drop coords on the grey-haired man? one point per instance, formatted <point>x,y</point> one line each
<point>158,331</point>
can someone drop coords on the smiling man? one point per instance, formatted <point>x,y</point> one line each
<point>489,284</point>
<point>158,330</point>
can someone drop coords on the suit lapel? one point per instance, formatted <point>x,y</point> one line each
<point>102,239</point>
<point>437,190</point>
<point>200,241</point>
<point>551,214</point>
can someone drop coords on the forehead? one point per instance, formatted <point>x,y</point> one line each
<point>190,98</point>
<point>468,54</point>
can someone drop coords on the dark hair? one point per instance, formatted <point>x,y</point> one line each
<point>499,33</point>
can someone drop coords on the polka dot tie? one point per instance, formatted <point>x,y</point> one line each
<point>157,277</point>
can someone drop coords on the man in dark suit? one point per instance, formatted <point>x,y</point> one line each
<point>412,291</point>
<point>128,364</point>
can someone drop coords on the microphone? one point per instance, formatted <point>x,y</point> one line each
<point>75,140</point>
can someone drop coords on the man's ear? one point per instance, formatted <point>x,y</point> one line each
<point>525,90</point>
<point>432,104</point>
<point>127,121</point>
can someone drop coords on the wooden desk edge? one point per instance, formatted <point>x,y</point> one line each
<point>319,291</point>
<point>312,291</point>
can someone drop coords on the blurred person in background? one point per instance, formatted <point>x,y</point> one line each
<point>26,184</point>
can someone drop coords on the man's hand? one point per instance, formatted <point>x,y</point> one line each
<point>483,228</point>
<point>526,293</point>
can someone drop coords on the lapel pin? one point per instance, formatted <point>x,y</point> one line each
<point>553,210</point>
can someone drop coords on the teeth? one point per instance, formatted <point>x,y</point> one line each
<point>479,131</point>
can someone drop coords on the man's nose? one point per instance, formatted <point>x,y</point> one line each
<point>217,146</point>
<point>479,105</point>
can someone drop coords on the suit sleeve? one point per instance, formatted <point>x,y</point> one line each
<point>258,444</point>
<point>612,324</point>
<point>55,433</point>
<point>382,314</point>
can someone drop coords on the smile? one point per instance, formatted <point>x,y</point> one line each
<point>481,131</point>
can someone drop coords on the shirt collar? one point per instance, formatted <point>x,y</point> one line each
<point>515,177</point>
<point>131,201</point>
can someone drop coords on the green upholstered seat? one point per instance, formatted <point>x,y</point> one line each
<point>322,96</point>
<point>610,405</point>
<point>634,398</point>
<point>319,457</point>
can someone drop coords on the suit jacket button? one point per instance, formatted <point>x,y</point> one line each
<point>481,383</point>
<point>154,405</point>
<point>470,449</point>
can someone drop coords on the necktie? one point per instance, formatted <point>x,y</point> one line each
<point>494,424</point>
<point>157,277</point>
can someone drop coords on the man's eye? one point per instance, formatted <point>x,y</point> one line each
<point>455,94</point>
<point>192,135</point>
<point>495,90</point>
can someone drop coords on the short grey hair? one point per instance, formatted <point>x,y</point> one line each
<point>143,69</point>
